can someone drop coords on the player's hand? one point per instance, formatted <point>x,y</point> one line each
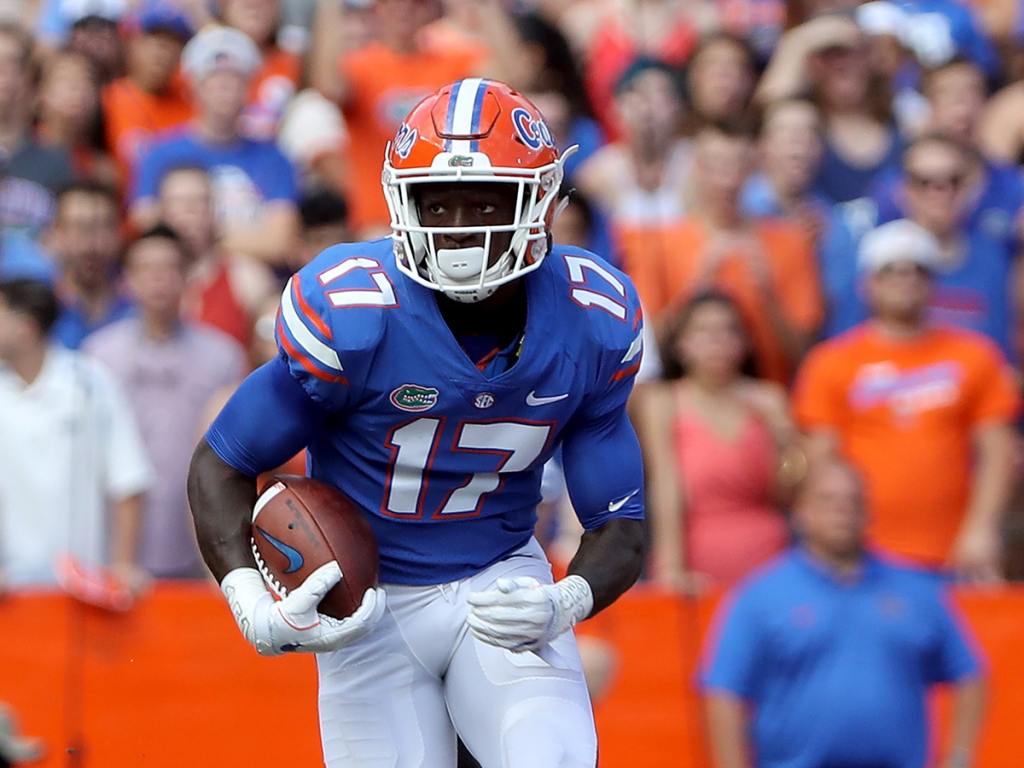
<point>293,624</point>
<point>521,614</point>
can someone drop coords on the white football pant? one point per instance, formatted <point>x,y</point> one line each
<point>397,697</point>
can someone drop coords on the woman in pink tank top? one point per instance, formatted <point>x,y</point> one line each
<point>715,438</point>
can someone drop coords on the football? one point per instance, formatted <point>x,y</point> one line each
<point>299,524</point>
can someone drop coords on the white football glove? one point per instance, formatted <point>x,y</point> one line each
<point>521,614</point>
<point>293,623</point>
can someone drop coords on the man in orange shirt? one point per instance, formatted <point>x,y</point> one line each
<point>152,97</point>
<point>766,266</point>
<point>923,411</point>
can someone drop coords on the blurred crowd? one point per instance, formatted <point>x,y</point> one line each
<point>794,188</point>
<point>820,203</point>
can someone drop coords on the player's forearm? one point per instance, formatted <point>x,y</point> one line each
<point>221,498</point>
<point>610,558</point>
<point>968,712</point>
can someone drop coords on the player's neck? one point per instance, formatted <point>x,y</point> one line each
<point>503,314</point>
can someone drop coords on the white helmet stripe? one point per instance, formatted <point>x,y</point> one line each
<point>462,120</point>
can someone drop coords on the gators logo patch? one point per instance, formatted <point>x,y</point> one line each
<point>414,398</point>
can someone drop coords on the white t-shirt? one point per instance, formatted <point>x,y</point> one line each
<point>68,447</point>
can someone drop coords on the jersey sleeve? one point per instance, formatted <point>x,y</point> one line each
<point>268,419</point>
<point>601,454</point>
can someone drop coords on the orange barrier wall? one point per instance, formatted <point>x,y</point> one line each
<point>173,684</point>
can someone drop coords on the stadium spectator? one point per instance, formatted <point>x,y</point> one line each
<point>994,190</point>
<point>15,749</point>
<point>827,58</point>
<point>90,28</point>
<point>380,82</point>
<point>612,35</point>
<point>68,115</point>
<point>826,656</point>
<point>30,173</point>
<point>74,466</point>
<point>713,440</point>
<point>642,179</point>
<point>274,84</point>
<point>575,223</point>
<point>169,367</point>
<point>766,266</point>
<point>254,185</point>
<point>974,272</point>
<point>224,289</point>
<point>720,78</point>
<point>942,400</point>
<point>324,223</point>
<point>554,83</point>
<point>86,245</point>
<point>789,149</point>
<point>886,27</point>
<point>313,135</point>
<point>151,97</point>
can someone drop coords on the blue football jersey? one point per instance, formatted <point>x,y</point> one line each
<point>445,460</point>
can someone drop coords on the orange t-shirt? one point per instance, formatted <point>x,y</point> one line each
<point>269,93</point>
<point>133,116</point>
<point>384,85</point>
<point>665,263</point>
<point>905,411</point>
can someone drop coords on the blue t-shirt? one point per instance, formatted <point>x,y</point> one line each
<point>994,211</point>
<point>245,173</point>
<point>840,182</point>
<point>73,325</point>
<point>21,258</point>
<point>837,672</point>
<point>444,459</point>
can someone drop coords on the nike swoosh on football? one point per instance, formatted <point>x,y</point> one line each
<point>295,559</point>
<point>615,506</point>
<point>532,399</point>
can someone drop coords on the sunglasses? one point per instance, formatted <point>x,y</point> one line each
<point>952,181</point>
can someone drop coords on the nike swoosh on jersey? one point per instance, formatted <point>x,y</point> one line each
<point>295,559</point>
<point>615,506</point>
<point>532,399</point>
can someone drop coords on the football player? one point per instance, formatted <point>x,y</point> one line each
<point>430,375</point>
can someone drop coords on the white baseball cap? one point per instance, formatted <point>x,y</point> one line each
<point>75,11</point>
<point>220,48</point>
<point>880,18</point>
<point>900,240</point>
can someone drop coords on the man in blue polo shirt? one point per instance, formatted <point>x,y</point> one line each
<point>254,185</point>
<point>824,658</point>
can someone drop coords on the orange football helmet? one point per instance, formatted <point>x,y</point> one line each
<point>473,131</point>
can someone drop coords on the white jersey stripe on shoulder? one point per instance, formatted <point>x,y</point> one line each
<point>635,348</point>
<point>462,120</point>
<point>310,343</point>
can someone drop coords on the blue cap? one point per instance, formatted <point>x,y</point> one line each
<point>22,259</point>
<point>162,16</point>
